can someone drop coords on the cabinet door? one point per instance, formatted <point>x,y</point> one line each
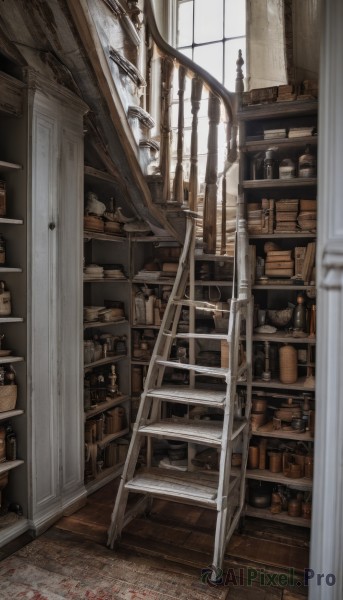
<point>55,288</point>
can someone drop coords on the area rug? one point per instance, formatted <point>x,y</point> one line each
<point>59,565</point>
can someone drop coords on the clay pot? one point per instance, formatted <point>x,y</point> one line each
<point>259,405</point>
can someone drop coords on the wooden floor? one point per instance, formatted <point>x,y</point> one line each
<point>179,539</point>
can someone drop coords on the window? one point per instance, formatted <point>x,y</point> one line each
<point>211,32</point>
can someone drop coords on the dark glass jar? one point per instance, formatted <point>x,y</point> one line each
<point>269,165</point>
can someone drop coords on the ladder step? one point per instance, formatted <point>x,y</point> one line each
<point>190,487</point>
<point>210,371</point>
<point>202,336</point>
<point>238,427</point>
<point>186,395</point>
<point>189,430</point>
<point>210,306</point>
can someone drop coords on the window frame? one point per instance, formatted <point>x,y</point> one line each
<point>222,40</point>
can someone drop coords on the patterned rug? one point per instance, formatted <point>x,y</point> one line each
<point>62,565</point>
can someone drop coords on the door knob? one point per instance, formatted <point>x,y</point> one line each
<point>52,226</point>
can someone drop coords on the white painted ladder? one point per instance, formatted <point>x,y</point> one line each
<point>223,491</point>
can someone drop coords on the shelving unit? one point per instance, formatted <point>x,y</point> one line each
<point>276,292</point>
<point>106,248</point>
<point>13,272</point>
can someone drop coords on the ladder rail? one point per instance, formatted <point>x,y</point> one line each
<point>228,495</point>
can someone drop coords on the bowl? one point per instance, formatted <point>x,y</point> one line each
<point>280,318</point>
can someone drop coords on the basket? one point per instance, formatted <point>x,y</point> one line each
<point>8,397</point>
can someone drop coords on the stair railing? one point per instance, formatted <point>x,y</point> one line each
<point>185,180</point>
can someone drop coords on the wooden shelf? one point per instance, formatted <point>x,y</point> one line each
<point>103,406</point>
<point>268,431</point>
<point>111,437</point>
<point>296,182</point>
<point>106,280</point>
<point>281,143</point>
<point>275,383</point>
<point>283,517</point>
<point>9,166</point>
<point>93,324</point>
<point>281,286</point>
<point>4,360</point>
<point>275,110</point>
<point>104,361</point>
<point>104,237</point>
<point>9,414</point>
<point>152,238</point>
<point>8,221</point>
<point>287,236</point>
<point>282,337</point>
<point>8,465</point>
<point>10,270</point>
<point>301,483</point>
<point>11,320</point>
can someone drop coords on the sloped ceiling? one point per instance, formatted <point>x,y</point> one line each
<point>42,34</point>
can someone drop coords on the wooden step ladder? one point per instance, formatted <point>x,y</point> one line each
<point>223,490</point>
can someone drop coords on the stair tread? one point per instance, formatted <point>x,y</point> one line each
<point>202,336</point>
<point>206,432</point>
<point>211,371</point>
<point>186,395</point>
<point>194,487</point>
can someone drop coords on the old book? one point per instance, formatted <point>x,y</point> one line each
<point>271,215</point>
<point>271,272</point>
<point>308,261</point>
<point>277,255</point>
<point>282,264</point>
<point>299,257</point>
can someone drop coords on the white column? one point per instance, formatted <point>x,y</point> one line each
<point>327,523</point>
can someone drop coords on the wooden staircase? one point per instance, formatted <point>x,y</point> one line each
<point>222,490</point>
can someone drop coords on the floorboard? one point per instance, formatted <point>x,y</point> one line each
<point>179,539</point>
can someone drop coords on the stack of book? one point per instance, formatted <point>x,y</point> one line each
<point>307,218</point>
<point>279,263</point>
<point>286,93</point>
<point>308,270</point>
<point>254,218</point>
<point>296,132</point>
<point>286,215</point>
<point>271,134</point>
<point>261,217</point>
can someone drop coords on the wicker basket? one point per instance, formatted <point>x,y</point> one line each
<point>8,397</point>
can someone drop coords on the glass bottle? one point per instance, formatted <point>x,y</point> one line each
<point>269,165</point>
<point>307,164</point>
<point>299,315</point>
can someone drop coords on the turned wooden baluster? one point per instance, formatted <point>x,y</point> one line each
<point>178,194</point>
<point>211,187</point>
<point>193,176</point>
<point>167,66</point>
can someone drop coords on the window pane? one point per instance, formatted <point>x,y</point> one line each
<point>185,23</point>
<point>210,58</point>
<point>231,55</point>
<point>234,18</point>
<point>186,51</point>
<point>208,20</point>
